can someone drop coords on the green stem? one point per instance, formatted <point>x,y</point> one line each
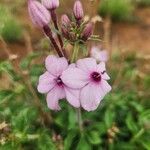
<point>75,53</point>
<point>74,59</point>
<point>80,122</point>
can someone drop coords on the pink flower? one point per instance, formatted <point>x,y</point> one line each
<point>52,84</point>
<point>78,10</point>
<point>91,78</point>
<point>51,4</point>
<point>38,13</point>
<point>99,55</point>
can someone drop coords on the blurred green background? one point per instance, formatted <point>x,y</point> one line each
<point>122,121</point>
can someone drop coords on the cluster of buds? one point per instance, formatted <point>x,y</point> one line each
<point>70,78</point>
<point>76,30</point>
<point>41,15</point>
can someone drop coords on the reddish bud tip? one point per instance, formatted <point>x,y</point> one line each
<point>87,32</point>
<point>65,21</point>
<point>65,25</point>
<point>78,10</point>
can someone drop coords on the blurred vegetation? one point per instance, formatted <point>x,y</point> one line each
<point>121,10</point>
<point>122,121</point>
<point>143,3</point>
<point>10,28</point>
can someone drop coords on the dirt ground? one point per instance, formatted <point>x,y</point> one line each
<point>136,36</point>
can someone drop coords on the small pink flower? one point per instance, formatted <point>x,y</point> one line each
<point>99,55</point>
<point>38,13</point>
<point>52,84</point>
<point>91,78</point>
<point>78,10</point>
<point>51,4</point>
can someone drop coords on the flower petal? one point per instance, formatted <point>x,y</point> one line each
<point>54,96</point>
<point>56,65</point>
<point>90,97</point>
<point>105,76</point>
<point>72,97</point>
<point>105,87</point>
<point>103,56</point>
<point>87,64</point>
<point>46,78</point>
<point>74,78</point>
<point>101,67</point>
<point>44,88</point>
<point>72,65</point>
<point>46,82</point>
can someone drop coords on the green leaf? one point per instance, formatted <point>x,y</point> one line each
<point>145,116</point>
<point>7,67</point>
<point>45,142</point>
<point>25,63</point>
<point>83,144</point>
<point>94,137</point>
<point>36,70</point>
<point>5,95</point>
<point>71,118</point>
<point>146,144</point>
<point>131,124</point>
<point>69,139</point>
<point>109,117</point>
<point>24,119</point>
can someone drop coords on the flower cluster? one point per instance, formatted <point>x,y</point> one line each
<point>76,29</point>
<point>82,82</point>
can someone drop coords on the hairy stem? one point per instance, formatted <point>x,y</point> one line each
<point>74,59</point>
<point>48,32</point>
<point>54,19</point>
<point>80,122</point>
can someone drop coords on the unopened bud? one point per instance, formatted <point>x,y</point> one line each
<point>38,13</point>
<point>78,10</point>
<point>51,4</point>
<point>87,32</point>
<point>65,21</point>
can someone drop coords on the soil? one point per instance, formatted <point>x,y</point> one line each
<point>136,36</point>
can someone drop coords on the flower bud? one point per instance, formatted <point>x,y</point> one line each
<point>87,32</point>
<point>65,27</point>
<point>51,4</point>
<point>78,10</point>
<point>65,21</point>
<point>38,13</point>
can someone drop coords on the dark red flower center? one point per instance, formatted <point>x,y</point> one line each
<point>96,76</point>
<point>59,81</point>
